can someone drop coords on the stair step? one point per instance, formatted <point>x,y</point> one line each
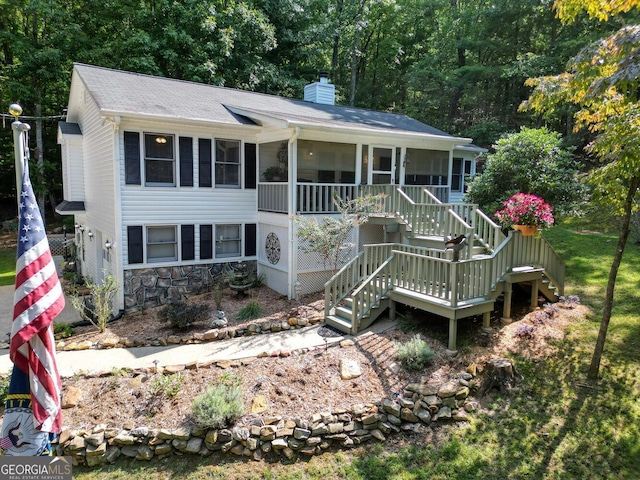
<point>338,323</point>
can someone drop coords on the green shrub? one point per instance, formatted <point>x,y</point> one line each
<point>414,354</point>
<point>99,309</point>
<point>4,388</point>
<point>182,315</point>
<point>259,280</point>
<point>168,386</point>
<point>62,330</point>
<point>250,311</point>
<point>218,406</point>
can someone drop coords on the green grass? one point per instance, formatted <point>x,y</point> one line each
<point>555,425</point>
<point>7,266</point>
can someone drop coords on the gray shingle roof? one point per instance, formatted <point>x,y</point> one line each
<point>125,93</point>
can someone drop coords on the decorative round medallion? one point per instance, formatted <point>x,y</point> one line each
<point>272,247</point>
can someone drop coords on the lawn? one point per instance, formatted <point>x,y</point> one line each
<point>555,425</point>
<point>7,266</point>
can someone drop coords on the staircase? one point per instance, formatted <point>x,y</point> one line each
<point>418,274</point>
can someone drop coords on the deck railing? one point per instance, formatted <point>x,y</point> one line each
<point>428,272</point>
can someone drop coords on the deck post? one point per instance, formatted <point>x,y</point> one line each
<point>535,286</point>
<point>486,322</point>
<point>453,332</point>
<point>392,309</point>
<point>506,308</point>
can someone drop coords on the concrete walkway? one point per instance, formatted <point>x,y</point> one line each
<point>92,361</point>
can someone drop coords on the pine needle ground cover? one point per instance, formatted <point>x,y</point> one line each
<point>555,425</point>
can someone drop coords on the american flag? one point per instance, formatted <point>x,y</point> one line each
<point>38,300</point>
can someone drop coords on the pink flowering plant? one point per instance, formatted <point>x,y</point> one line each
<point>525,209</point>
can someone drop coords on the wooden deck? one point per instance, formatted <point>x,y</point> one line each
<point>428,279</point>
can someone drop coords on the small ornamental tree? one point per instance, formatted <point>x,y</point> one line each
<point>329,237</point>
<point>602,82</point>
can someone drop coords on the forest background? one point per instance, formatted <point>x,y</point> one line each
<point>457,65</point>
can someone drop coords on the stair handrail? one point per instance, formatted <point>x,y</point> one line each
<point>487,232</point>
<point>431,198</point>
<point>340,285</point>
<point>554,266</point>
<point>369,293</point>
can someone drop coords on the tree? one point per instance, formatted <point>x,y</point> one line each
<point>329,236</point>
<point>529,161</point>
<point>602,82</point>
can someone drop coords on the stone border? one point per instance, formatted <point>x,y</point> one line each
<point>419,406</point>
<point>212,335</point>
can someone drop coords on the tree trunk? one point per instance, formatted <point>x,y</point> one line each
<point>354,67</point>
<point>500,374</point>
<point>594,368</point>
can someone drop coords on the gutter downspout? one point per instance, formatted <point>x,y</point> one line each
<point>293,193</point>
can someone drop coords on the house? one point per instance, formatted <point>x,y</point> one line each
<point>173,183</point>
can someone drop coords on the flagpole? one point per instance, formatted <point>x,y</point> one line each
<point>32,412</point>
<point>18,144</point>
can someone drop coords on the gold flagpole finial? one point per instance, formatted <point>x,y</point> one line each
<point>15,110</point>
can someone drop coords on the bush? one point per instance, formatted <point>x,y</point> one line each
<point>4,388</point>
<point>250,311</point>
<point>415,354</point>
<point>62,330</point>
<point>529,161</point>
<point>99,310</point>
<point>182,315</point>
<point>218,406</point>
<point>525,331</point>
<point>168,386</point>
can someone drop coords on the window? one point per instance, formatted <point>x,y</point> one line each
<point>159,159</point>
<point>461,170</point>
<point>227,241</point>
<point>161,244</point>
<point>227,163</point>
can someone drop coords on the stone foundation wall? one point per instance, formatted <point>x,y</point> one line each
<point>151,287</point>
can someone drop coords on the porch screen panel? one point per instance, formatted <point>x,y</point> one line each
<point>186,161</point>
<point>204,162</point>
<point>132,158</point>
<point>206,242</point>
<point>250,159</point>
<point>134,244</point>
<point>188,242</point>
<point>250,239</point>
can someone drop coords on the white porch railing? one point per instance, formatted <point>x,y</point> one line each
<point>273,197</point>
<point>438,279</point>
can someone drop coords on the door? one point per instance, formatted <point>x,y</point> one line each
<point>382,166</point>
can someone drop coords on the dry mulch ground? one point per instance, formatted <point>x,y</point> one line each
<point>295,385</point>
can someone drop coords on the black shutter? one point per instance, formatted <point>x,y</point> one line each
<point>250,165</point>
<point>204,162</point>
<point>186,161</point>
<point>206,241</point>
<point>188,242</point>
<point>134,244</point>
<point>250,240</point>
<point>132,158</point>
